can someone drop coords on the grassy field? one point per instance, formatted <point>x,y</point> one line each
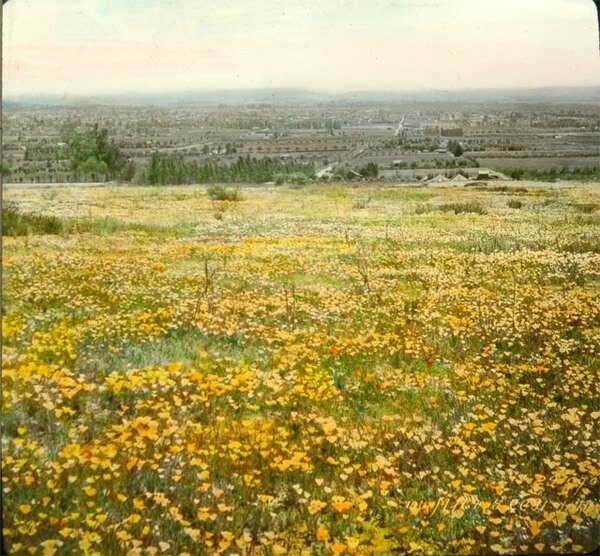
<point>323,370</point>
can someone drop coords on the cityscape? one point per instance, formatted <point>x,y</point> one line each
<point>408,141</point>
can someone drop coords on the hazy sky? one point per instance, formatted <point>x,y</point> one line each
<point>112,46</point>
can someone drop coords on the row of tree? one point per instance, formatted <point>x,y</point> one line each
<point>173,169</point>
<point>435,163</point>
<point>553,174</point>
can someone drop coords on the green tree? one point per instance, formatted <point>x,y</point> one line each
<point>92,153</point>
<point>455,148</point>
<point>369,170</point>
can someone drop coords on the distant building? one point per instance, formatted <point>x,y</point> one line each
<point>325,172</point>
<point>486,174</point>
<point>438,179</point>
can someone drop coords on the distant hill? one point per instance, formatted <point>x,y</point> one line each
<point>291,95</point>
<point>545,94</point>
<point>218,96</point>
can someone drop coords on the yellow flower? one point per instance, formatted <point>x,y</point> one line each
<point>203,514</point>
<point>131,463</point>
<point>174,366</point>
<point>352,542</point>
<point>322,534</point>
<point>134,518</point>
<point>89,491</point>
<point>339,504</point>
<point>315,506</point>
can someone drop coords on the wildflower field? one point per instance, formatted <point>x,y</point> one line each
<point>316,370</point>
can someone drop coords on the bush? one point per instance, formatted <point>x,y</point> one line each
<point>360,203</point>
<point>298,178</point>
<point>219,193</point>
<point>16,223</point>
<point>514,173</point>
<point>515,204</point>
<point>369,170</point>
<point>586,208</point>
<point>458,208</point>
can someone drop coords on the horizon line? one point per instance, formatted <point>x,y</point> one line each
<point>134,93</point>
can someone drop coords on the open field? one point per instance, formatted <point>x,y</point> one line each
<point>317,370</point>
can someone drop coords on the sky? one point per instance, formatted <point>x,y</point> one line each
<point>96,47</point>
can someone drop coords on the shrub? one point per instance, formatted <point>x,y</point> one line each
<point>219,193</point>
<point>515,204</point>
<point>458,208</point>
<point>586,208</point>
<point>298,178</point>
<point>515,173</point>
<point>360,203</point>
<point>17,223</point>
<point>423,208</point>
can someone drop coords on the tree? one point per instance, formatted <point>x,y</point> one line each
<point>455,148</point>
<point>6,169</point>
<point>92,153</point>
<point>369,170</point>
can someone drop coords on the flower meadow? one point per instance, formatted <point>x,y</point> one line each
<point>317,370</point>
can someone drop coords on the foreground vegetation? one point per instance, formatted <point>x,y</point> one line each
<point>318,370</point>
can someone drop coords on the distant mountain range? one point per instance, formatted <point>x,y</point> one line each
<point>290,95</point>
